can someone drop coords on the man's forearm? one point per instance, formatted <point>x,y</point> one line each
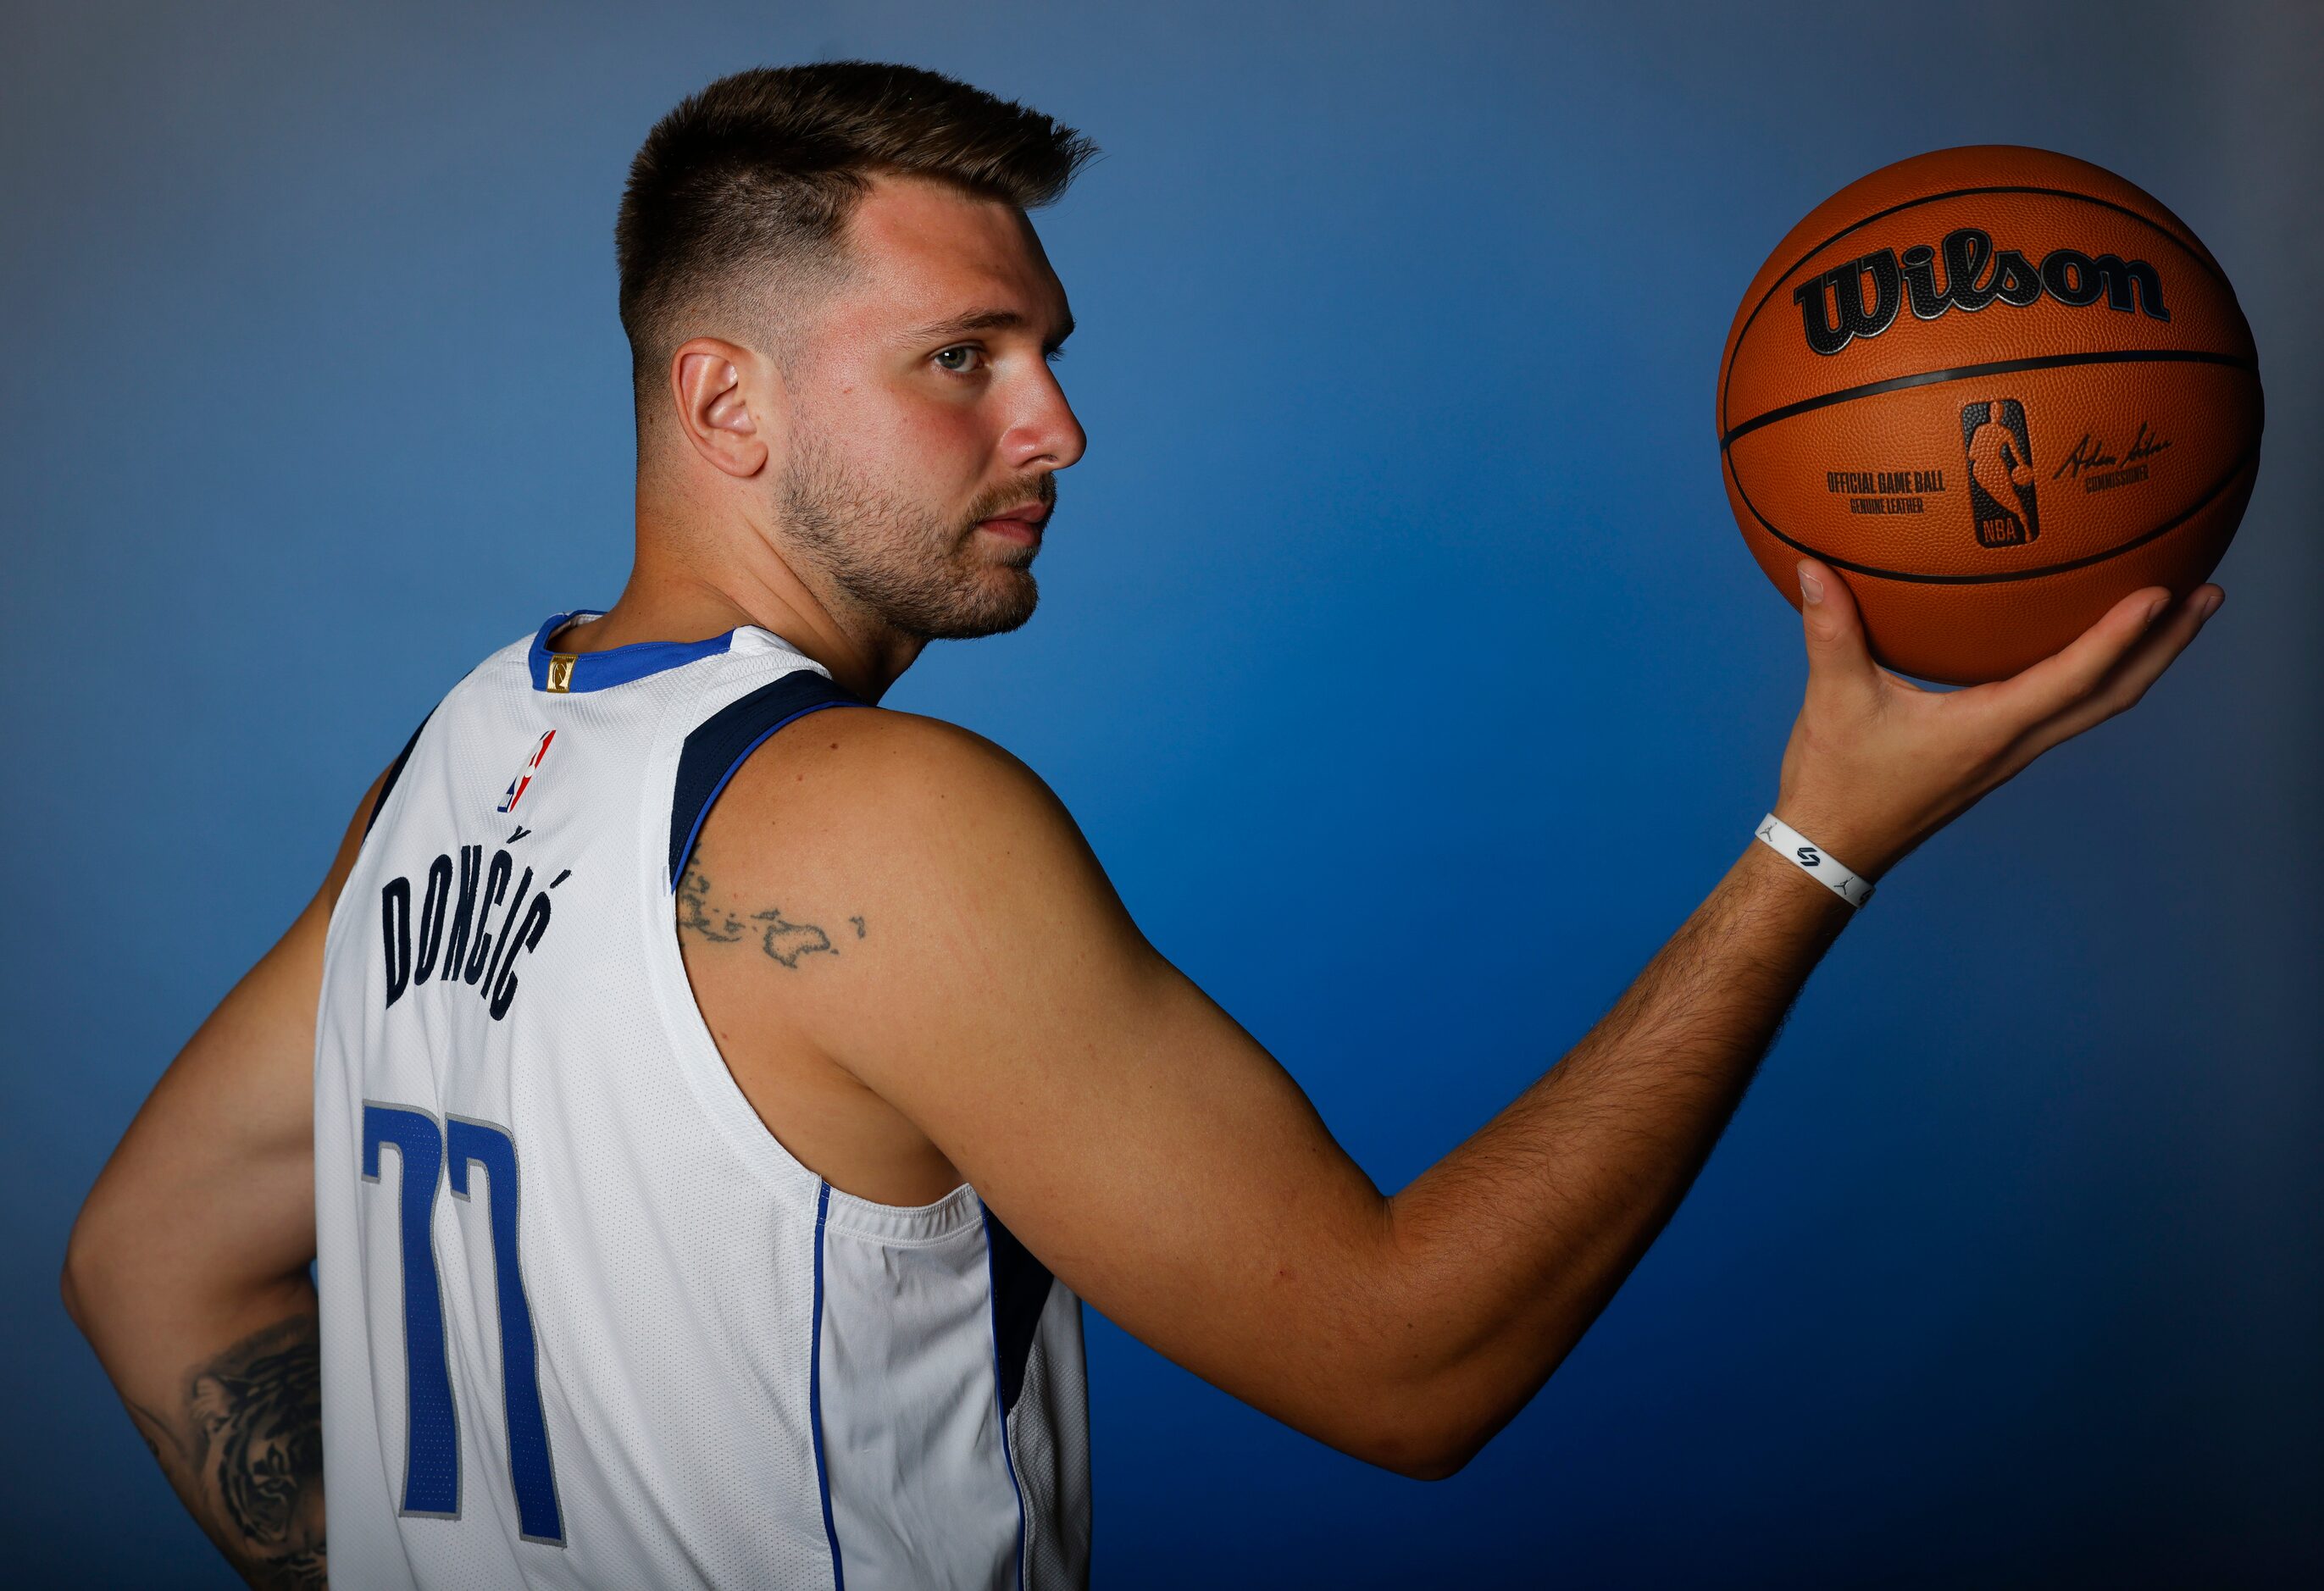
<point>237,1430</point>
<point>1512,1245</point>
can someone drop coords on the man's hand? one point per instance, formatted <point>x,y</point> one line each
<point>1876,765</point>
<point>188,1265</point>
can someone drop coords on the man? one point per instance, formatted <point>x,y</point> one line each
<point>706,1097</point>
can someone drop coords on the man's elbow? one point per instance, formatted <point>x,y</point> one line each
<point>70,1289</point>
<point>96,1268</point>
<point>1426,1463</point>
<point>1429,1399</point>
<point>79,1281</point>
<point>1424,1437</point>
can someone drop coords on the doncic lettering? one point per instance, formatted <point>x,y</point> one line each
<point>451,923</point>
<point>1834,310</point>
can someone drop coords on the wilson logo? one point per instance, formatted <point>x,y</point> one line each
<point>1834,309</point>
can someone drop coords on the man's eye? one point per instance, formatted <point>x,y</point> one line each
<point>960,360</point>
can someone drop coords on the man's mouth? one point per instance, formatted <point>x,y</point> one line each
<point>1021,523</point>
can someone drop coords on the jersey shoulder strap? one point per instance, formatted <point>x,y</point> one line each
<point>394,772</point>
<point>718,745</point>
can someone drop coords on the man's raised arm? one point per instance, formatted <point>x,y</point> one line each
<point>188,1265</point>
<point>1158,1160</point>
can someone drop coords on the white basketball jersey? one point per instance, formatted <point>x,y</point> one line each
<point>584,1322</point>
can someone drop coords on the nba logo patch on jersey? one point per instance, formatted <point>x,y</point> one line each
<point>524,776</point>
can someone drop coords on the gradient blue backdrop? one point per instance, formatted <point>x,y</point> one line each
<point>1396,650</point>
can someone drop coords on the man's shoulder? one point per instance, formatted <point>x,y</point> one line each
<point>876,756</point>
<point>923,854</point>
<point>871,787</point>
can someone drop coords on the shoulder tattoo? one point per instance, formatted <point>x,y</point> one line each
<point>710,916</point>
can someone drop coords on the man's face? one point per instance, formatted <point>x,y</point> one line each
<point>926,424</point>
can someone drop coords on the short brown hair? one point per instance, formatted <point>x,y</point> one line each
<point>761,169</point>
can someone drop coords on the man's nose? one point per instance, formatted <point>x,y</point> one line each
<point>1043,432</point>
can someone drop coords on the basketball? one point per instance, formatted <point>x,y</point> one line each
<point>2000,389</point>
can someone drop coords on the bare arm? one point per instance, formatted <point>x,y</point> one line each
<point>1513,1244</point>
<point>186,1269</point>
<point>1609,1142</point>
<point>1156,1158</point>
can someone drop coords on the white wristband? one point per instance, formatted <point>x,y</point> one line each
<point>1814,860</point>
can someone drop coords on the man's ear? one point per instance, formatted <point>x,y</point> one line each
<point>730,404</point>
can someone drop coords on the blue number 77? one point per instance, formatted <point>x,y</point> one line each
<point>431,1458</point>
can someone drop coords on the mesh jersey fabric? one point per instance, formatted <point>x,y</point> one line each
<point>585,1321</point>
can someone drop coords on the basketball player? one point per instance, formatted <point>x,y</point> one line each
<point>707,1097</point>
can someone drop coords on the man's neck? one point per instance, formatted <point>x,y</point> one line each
<point>669,599</point>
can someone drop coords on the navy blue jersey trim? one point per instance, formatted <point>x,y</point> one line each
<point>593,671</point>
<point>394,772</point>
<point>815,1393</point>
<point>1006,1386</point>
<point>718,745</point>
<point>1020,1292</point>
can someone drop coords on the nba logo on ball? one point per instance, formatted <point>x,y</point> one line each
<point>2000,472</point>
<point>523,780</point>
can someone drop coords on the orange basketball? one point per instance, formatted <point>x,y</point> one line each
<point>2001,389</point>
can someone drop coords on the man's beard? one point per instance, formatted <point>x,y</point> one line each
<point>921,573</point>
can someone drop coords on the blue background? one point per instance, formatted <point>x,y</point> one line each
<point>1397,651</point>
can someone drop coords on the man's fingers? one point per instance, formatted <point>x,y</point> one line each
<point>2073,675</point>
<point>1838,655</point>
<point>2126,655</point>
